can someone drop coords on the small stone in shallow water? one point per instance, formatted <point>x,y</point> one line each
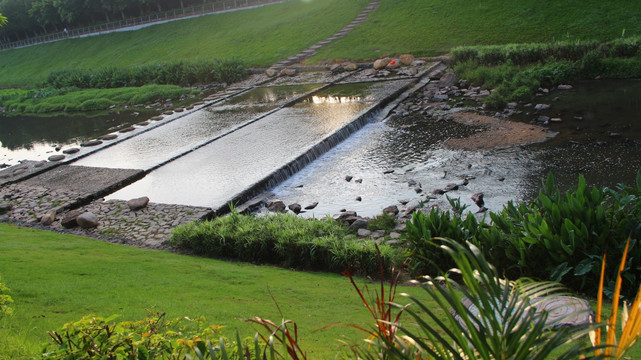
<point>311,206</point>
<point>70,151</point>
<point>91,143</point>
<point>348,178</point>
<point>56,157</point>
<point>296,208</point>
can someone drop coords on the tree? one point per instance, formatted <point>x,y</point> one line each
<point>45,13</point>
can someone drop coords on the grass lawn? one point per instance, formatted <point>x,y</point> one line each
<point>259,37</point>
<point>58,278</point>
<point>432,27</point>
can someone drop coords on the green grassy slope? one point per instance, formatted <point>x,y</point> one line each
<point>58,278</point>
<point>259,37</point>
<point>431,27</point>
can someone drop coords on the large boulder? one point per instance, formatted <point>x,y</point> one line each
<point>381,63</point>
<point>87,220</point>
<point>137,204</point>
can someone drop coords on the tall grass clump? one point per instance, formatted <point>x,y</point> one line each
<point>516,71</point>
<point>176,73</point>
<point>51,100</point>
<point>558,237</point>
<point>284,240</point>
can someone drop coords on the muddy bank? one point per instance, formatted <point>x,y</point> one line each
<point>495,132</point>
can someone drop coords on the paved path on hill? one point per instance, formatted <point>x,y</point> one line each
<point>341,34</point>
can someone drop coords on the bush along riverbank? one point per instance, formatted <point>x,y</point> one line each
<point>516,71</point>
<point>558,237</point>
<point>85,90</point>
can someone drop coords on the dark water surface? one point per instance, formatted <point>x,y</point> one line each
<point>34,138</point>
<point>599,136</point>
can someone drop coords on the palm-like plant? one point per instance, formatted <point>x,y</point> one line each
<point>501,323</point>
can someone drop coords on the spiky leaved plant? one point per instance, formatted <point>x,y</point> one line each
<point>505,326</point>
<point>630,321</point>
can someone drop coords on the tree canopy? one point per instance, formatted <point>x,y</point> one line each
<point>28,18</point>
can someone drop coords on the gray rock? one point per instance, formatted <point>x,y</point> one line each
<point>440,97</point>
<point>127,129</point>
<point>359,223</point>
<point>69,220</point>
<point>288,72</point>
<point>350,67</point>
<point>418,63</point>
<point>138,203</point>
<point>364,233</point>
<point>358,181</point>
<point>406,59</point>
<point>91,143</point>
<point>336,68</point>
<point>447,80</point>
<point>377,234</point>
<point>358,198</point>
<point>56,157</point>
<point>543,119</point>
<point>87,220</point>
<point>48,218</point>
<point>381,63</point>
<point>564,87</point>
<point>311,206</point>
<point>276,205</point>
<point>451,187</point>
<point>110,136</point>
<point>343,216</point>
<point>541,107</point>
<point>393,64</point>
<point>70,151</point>
<point>296,208</point>
<point>394,235</point>
<point>271,72</point>
<point>391,210</point>
<point>478,199</point>
<point>5,208</point>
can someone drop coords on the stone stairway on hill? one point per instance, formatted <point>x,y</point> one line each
<point>342,33</point>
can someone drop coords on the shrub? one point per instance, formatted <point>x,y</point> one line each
<point>284,240</point>
<point>384,221</point>
<point>558,237</point>
<point>178,73</point>
<point>5,300</point>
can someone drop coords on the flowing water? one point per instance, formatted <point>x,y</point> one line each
<point>155,147</point>
<point>599,136</point>
<point>263,152</point>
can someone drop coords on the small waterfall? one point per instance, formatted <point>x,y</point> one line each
<point>311,154</point>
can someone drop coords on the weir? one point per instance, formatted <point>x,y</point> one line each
<point>165,143</point>
<point>263,153</point>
